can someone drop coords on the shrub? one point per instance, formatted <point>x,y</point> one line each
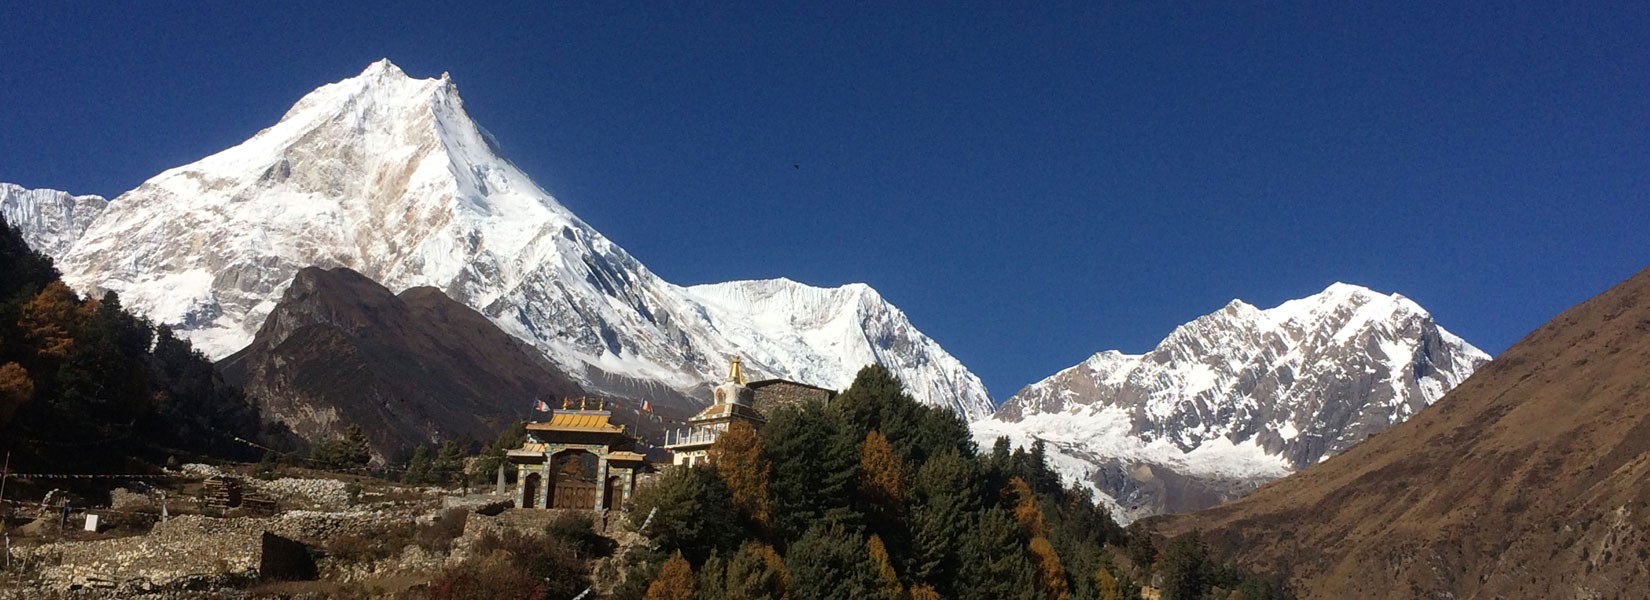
<point>494,576</point>
<point>578,531</point>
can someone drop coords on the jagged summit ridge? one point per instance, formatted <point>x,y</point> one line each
<point>387,175</point>
<point>49,220</point>
<point>1255,393</point>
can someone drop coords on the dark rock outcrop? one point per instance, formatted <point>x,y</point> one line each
<point>411,369</point>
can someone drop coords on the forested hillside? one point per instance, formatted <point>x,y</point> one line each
<point>87,387</point>
<point>877,496</point>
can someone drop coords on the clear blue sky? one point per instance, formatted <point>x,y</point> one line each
<point>1031,185</point>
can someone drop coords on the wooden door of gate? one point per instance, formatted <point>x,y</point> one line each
<point>574,494</point>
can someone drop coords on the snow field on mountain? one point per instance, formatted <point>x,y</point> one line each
<point>387,175</point>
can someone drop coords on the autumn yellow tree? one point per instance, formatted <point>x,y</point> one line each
<point>887,579</point>
<point>1106,585</point>
<point>674,582</point>
<point>880,473</point>
<point>737,455</point>
<point>16,389</point>
<point>924,592</point>
<point>1050,573</point>
<point>757,573</point>
<point>1026,511</point>
<point>49,319</point>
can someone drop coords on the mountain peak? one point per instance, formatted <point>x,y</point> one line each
<point>387,175</point>
<point>1239,396</point>
<point>382,68</point>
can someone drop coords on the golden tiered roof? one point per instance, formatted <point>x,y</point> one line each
<point>625,456</point>
<point>579,421</point>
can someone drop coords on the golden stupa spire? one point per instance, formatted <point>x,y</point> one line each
<point>736,373</point>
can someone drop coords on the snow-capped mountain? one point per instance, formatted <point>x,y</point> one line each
<point>49,220</point>
<point>387,175</point>
<point>1238,397</point>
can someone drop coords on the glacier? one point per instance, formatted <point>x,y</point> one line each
<point>50,220</point>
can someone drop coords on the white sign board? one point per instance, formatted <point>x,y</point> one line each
<point>91,523</point>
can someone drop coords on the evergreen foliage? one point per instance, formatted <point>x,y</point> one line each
<point>447,468</point>
<point>815,462</point>
<point>712,578</point>
<point>418,468</point>
<point>485,468</point>
<point>877,496</point>
<point>692,513</point>
<point>351,452</point>
<point>86,386</point>
<point>831,563</point>
<point>993,563</point>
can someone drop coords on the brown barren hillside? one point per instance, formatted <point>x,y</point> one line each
<point>413,368</point>
<point>1530,480</point>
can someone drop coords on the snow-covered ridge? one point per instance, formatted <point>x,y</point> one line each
<point>50,220</point>
<point>1281,388</point>
<point>387,175</point>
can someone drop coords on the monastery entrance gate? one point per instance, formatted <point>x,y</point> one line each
<point>578,459</point>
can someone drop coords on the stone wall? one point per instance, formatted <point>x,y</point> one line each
<point>772,395</point>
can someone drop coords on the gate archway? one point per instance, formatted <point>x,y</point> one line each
<point>530,490</point>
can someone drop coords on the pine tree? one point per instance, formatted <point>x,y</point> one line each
<point>448,464</point>
<point>945,499</point>
<point>713,578</point>
<point>694,509</point>
<point>1026,512</point>
<point>16,389</point>
<point>737,454</point>
<point>827,563</point>
<point>1185,568</point>
<point>674,582</point>
<point>486,466</point>
<point>880,474</point>
<point>1051,574</point>
<point>888,584</point>
<point>1106,586</point>
<point>49,320</point>
<point>418,468</point>
<point>815,467</point>
<point>23,271</point>
<point>994,564</point>
<point>757,573</point>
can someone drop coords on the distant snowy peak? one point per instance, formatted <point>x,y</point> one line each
<point>387,175</point>
<point>1245,388</point>
<point>50,220</point>
<point>1381,356</point>
<point>777,321</point>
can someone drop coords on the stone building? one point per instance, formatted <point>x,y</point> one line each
<point>735,400</point>
<point>770,395</point>
<point>577,459</point>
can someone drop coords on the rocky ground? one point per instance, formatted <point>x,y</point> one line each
<point>385,540</point>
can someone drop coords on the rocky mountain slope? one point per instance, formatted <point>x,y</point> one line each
<point>387,175</point>
<point>409,368</point>
<point>49,220</point>
<point>1529,480</point>
<point>1238,397</point>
